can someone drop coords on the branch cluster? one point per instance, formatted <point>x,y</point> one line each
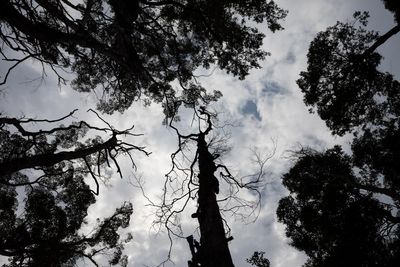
<point>135,49</point>
<point>51,165</point>
<point>181,184</point>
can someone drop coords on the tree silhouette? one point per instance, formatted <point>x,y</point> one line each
<point>334,217</point>
<point>42,226</point>
<point>357,98</point>
<point>193,176</point>
<point>136,48</point>
<point>127,50</point>
<point>342,71</point>
<point>213,250</point>
<point>343,209</point>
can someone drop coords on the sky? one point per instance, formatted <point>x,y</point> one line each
<point>266,112</point>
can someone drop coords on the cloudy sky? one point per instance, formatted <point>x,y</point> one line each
<point>266,110</point>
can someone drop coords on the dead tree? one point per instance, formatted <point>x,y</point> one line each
<point>192,177</point>
<point>214,245</point>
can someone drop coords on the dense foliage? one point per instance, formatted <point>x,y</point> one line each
<point>343,209</point>
<point>44,195</point>
<point>335,216</point>
<point>343,82</point>
<point>133,49</point>
<point>123,50</point>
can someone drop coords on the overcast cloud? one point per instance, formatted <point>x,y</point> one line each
<point>267,107</point>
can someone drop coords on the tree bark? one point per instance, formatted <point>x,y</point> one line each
<point>383,38</point>
<point>214,250</point>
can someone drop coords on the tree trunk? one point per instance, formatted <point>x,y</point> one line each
<point>214,250</point>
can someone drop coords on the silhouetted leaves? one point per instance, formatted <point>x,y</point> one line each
<point>342,81</point>
<point>135,49</point>
<point>332,218</point>
<point>44,195</point>
<point>258,260</point>
<point>343,209</point>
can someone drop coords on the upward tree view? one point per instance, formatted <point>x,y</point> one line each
<point>199,133</point>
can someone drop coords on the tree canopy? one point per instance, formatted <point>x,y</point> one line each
<point>355,97</point>
<point>135,49</point>
<point>343,209</point>
<point>343,70</point>
<point>44,195</point>
<point>334,216</point>
<point>124,50</point>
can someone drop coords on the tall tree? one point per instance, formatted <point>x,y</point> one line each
<point>343,209</point>
<point>352,95</point>
<point>194,177</point>
<point>134,49</point>
<point>138,47</point>
<point>41,225</point>
<point>213,250</point>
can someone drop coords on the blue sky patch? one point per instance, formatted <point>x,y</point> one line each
<point>250,108</point>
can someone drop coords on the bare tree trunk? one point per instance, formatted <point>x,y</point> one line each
<point>214,250</point>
